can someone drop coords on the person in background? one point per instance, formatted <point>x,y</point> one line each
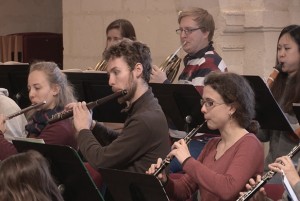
<point>196,30</point>
<point>286,91</point>
<point>15,127</point>
<point>47,83</point>
<point>26,176</point>
<point>117,30</point>
<point>225,164</point>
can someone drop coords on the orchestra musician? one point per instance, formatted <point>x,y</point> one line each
<point>117,30</point>
<point>196,30</point>
<point>145,133</point>
<point>225,163</point>
<point>286,90</point>
<point>46,82</point>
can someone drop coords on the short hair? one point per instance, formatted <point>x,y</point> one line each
<point>132,52</point>
<point>126,28</point>
<point>235,90</point>
<point>203,19</point>
<point>56,76</point>
<point>26,176</point>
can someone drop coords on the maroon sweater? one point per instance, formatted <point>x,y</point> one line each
<point>220,179</point>
<point>60,133</point>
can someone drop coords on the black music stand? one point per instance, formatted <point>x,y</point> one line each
<point>268,113</point>
<point>296,108</point>
<point>93,85</point>
<point>130,186</point>
<point>179,103</point>
<point>68,170</point>
<point>13,77</point>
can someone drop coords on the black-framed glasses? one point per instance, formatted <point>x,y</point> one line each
<point>209,103</point>
<point>187,31</point>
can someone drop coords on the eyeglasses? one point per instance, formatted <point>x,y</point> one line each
<point>209,104</point>
<point>187,31</point>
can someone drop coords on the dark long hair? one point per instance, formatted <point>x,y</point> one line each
<point>26,176</point>
<point>290,94</point>
<point>236,91</point>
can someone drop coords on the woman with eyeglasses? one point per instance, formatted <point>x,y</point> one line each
<point>227,162</point>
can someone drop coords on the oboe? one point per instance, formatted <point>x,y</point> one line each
<point>265,178</point>
<point>274,74</point>
<point>25,110</point>
<point>187,140</point>
<point>66,114</point>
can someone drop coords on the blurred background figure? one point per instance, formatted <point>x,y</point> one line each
<point>15,127</point>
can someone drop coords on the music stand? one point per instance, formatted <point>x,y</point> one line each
<point>296,108</point>
<point>179,102</point>
<point>67,168</point>
<point>13,77</point>
<point>93,85</point>
<point>130,186</point>
<point>268,113</point>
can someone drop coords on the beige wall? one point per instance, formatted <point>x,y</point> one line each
<point>246,31</point>
<point>18,16</point>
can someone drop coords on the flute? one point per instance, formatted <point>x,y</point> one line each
<point>265,178</point>
<point>66,114</point>
<point>187,140</point>
<point>25,110</point>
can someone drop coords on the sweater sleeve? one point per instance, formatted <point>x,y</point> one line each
<point>60,133</point>
<point>6,148</point>
<point>245,161</point>
<point>121,152</point>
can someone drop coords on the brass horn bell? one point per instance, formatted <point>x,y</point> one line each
<point>171,65</point>
<point>101,66</point>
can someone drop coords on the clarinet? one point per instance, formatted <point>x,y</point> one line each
<point>265,178</point>
<point>187,140</point>
<point>69,113</point>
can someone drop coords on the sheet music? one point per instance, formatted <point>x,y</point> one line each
<point>35,140</point>
<point>288,187</point>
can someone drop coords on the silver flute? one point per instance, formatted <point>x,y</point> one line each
<point>265,178</point>
<point>187,140</point>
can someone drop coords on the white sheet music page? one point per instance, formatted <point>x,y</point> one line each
<point>288,187</point>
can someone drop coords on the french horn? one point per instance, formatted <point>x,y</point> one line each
<point>171,65</point>
<point>101,66</point>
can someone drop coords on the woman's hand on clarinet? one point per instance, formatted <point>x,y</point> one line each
<point>2,123</point>
<point>161,176</point>
<point>261,195</point>
<point>82,117</point>
<point>286,165</point>
<point>180,150</point>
